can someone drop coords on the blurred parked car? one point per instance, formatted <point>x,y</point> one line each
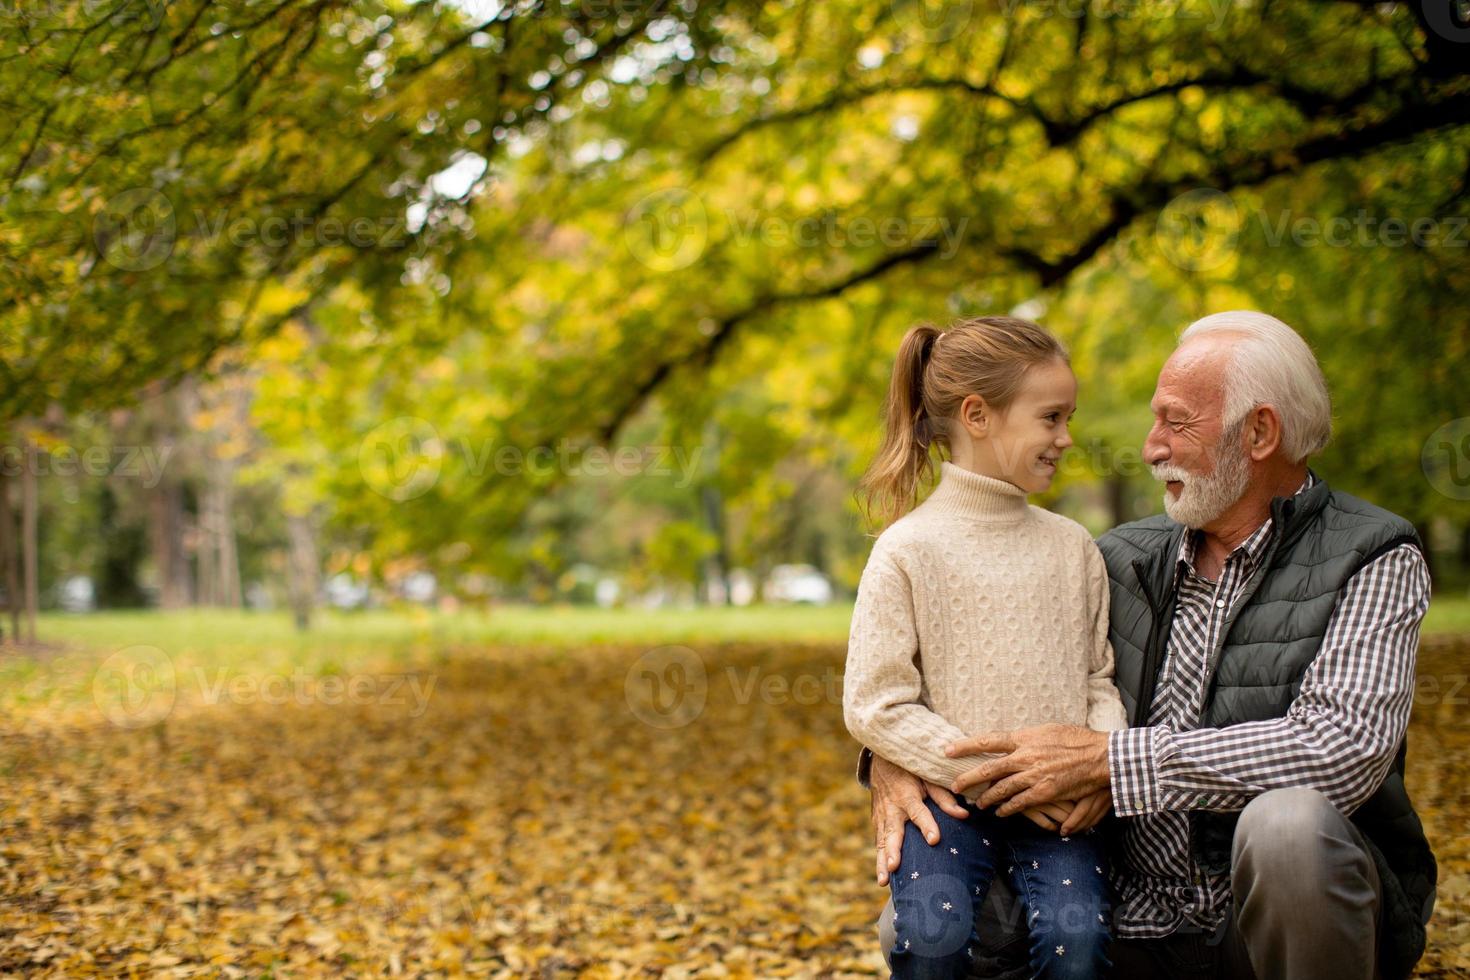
<point>419,587</point>
<point>344,592</point>
<point>798,583</point>
<point>76,594</point>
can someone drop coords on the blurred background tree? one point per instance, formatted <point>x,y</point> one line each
<point>513,299</point>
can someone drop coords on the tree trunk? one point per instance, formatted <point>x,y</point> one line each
<point>206,568</point>
<point>226,551</point>
<point>718,567</point>
<point>30,526</point>
<point>167,409</point>
<point>228,401</point>
<point>169,559</point>
<point>1117,489</point>
<point>8,565</point>
<point>301,568</point>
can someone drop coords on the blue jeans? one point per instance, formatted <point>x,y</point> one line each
<point>1061,881</point>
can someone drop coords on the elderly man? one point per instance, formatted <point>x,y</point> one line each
<point>1265,632</point>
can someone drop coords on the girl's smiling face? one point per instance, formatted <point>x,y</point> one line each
<point>1023,444</point>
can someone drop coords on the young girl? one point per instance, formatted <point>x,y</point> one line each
<point>979,612</point>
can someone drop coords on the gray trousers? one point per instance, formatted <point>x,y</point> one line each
<point>1307,904</point>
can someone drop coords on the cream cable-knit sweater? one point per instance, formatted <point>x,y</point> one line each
<point>977,612</point>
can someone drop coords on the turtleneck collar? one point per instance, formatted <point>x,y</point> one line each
<point>967,494</point>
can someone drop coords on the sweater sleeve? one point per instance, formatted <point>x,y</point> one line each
<point>881,700</point>
<point>1105,711</point>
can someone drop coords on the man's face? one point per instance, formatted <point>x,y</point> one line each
<point>1204,467</point>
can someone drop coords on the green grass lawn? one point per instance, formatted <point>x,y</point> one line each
<point>413,626</point>
<point>193,652</point>
<point>339,633</point>
<point>1448,615</point>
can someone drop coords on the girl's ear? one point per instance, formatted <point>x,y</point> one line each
<point>975,416</point>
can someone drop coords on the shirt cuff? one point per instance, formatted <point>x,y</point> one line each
<point>1179,775</point>
<point>865,767</point>
<point>1133,767</point>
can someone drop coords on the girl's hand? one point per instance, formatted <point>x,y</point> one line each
<point>1049,816</point>
<point>1088,812</point>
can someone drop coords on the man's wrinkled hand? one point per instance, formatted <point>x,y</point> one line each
<point>1041,764</point>
<point>898,797</point>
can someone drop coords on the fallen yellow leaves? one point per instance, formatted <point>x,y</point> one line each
<point>528,823</point>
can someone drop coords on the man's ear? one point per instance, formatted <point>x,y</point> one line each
<point>1263,432</point>
<point>975,416</point>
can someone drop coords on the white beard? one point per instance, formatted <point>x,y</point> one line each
<point>1205,498</point>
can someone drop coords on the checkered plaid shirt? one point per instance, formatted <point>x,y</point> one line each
<point>1339,736</point>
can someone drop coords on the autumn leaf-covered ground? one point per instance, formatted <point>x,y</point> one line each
<point>253,805</point>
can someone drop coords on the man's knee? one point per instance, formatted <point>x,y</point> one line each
<point>1288,837</point>
<point>886,932</point>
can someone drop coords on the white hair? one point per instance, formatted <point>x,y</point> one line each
<point>1272,365</point>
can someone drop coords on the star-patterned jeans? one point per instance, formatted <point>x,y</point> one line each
<point>1062,883</point>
